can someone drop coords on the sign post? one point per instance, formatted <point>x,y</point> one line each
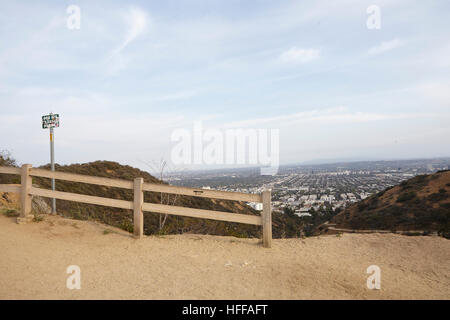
<point>51,121</point>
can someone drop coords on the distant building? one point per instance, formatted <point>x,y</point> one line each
<point>303,212</point>
<point>256,205</point>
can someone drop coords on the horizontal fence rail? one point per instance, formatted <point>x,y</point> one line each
<point>138,205</point>
<point>201,213</point>
<point>10,170</point>
<point>204,193</point>
<point>101,201</point>
<point>108,182</point>
<point>13,188</point>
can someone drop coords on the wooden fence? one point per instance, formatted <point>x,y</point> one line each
<point>138,205</point>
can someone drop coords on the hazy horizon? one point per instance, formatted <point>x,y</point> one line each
<point>153,167</point>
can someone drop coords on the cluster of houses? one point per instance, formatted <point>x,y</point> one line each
<point>302,204</point>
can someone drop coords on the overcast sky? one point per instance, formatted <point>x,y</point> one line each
<point>135,72</point>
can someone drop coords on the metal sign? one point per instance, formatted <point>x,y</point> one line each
<point>50,121</point>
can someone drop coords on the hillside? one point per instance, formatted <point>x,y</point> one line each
<point>421,203</point>
<point>283,226</point>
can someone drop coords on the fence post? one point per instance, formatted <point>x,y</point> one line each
<point>138,201</point>
<point>267,218</point>
<point>25,197</point>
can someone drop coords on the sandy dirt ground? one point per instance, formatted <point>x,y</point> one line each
<point>34,258</point>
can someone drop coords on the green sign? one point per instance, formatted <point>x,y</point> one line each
<point>50,121</point>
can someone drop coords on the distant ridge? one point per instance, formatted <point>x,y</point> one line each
<point>420,203</point>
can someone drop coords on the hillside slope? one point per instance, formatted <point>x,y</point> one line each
<point>421,203</point>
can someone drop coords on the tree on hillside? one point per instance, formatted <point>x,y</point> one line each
<point>6,160</point>
<point>166,198</point>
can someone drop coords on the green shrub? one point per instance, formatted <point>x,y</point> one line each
<point>404,185</point>
<point>38,218</point>
<point>10,213</point>
<point>6,160</point>
<point>406,196</point>
<point>127,226</point>
<point>444,231</point>
<point>413,233</point>
<point>445,205</point>
<point>362,205</point>
<point>437,196</point>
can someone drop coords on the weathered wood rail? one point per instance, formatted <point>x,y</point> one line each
<point>138,205</point>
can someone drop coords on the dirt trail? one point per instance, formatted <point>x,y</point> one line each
<point>34,258</point>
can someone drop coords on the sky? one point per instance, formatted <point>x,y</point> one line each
<point>136,71</point>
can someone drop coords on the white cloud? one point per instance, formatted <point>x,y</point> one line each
<point>326,116</point>
<point>385,46</point>
<point>137,21</point>
<point>298,55</point>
